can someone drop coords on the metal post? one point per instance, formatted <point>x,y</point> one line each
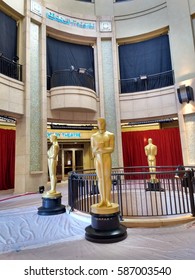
<point>190,179</point>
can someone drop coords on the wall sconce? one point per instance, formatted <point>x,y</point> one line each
<point>143,77</point>
<point>185,94</point>
<point>72,68</point>
<point>15,59</point>
<point>82,70</point>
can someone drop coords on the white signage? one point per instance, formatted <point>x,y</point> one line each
<point>36,8</point>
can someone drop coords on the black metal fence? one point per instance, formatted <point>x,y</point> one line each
<point>10,68</point>
<point>174,193</point>
<point>67,77</point>
<point>147,82</point>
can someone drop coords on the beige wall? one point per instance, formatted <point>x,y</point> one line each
<point>71,7</point>
<point>137,21</point>
<point>18,5</point>
<point>11,96</point>
<point>159,103</point>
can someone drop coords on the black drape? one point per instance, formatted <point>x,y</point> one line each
<point>8,36</point>
<point>146,58</point>
<point>63,55</point>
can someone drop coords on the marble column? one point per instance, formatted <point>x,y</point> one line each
<point>31,129</point>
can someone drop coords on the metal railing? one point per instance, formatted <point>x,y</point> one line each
<point>70,78</point>
<point>10,68</point>
<point>172,195</point>
<point>147,82</point>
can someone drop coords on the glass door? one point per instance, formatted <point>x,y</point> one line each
<point>72,159</point>
<point>78,160</point>
<point>68,161</point>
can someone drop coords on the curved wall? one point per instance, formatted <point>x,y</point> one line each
<point>72,7</point>
<point>112,24</point>
<point>11,96</point>
<point>18,5</point>
<point>132,21</point>
<point>135,21</point>
<point>73,98</point>
<point>143,105</point>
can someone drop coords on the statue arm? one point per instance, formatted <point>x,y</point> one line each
<point>54,154</point>
<point>155,150</point>
<point>93,148</point>
<point>110,148</point>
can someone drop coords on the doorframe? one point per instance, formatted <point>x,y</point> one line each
<point>73,150</point>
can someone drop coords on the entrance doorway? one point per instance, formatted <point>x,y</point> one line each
<point>72,159</point>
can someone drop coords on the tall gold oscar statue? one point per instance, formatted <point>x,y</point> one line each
<point>105,225</point>
<point>51,200</point>
<point>52,155</point>
<point>102,145</point>
<point>151,153</point>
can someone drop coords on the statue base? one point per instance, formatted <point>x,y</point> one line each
<point>154,186</point>
<point>96,209</point>
<point>51,206</point>
<point>105,228</point>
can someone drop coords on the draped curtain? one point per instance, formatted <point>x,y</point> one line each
<point>7,158</point>
<point>145,58</point>
<point>167,142</point>
<point>8,36</point>
<point>62,55</point>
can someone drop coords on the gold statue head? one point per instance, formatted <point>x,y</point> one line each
<point>53,138</point>
<point>101,124</point>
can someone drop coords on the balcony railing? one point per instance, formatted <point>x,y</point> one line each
<point>146,82</point>
<point>69,77</point>
<point>173,195</point>
<point>10,68</point>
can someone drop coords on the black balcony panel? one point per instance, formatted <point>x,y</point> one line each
<point>76,77</point>
<point>10,68</point>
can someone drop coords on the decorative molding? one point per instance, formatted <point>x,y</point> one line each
<point>36,8</point>
<point>105,26</point>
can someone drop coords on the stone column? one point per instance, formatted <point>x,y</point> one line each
<point>31,133</point>
<point>108,83</point>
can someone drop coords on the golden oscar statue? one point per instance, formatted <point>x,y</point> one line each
<point>52,199</point>
<point>105,225</point>
<point>102,145</point>
<point>151,152</point>
<point>52,155</point>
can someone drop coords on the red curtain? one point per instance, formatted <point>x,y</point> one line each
<point>7,158</point>
<point>167,141</point>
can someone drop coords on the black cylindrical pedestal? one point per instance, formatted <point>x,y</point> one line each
<point>105,228</point>
<point>154,187</point>
<point>51,206</point>
<point>105,221</point>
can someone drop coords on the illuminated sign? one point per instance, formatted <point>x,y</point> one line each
<point>70,21</point>
<point>65,134</point>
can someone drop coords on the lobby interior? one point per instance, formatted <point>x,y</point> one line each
<point>130,62</point>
